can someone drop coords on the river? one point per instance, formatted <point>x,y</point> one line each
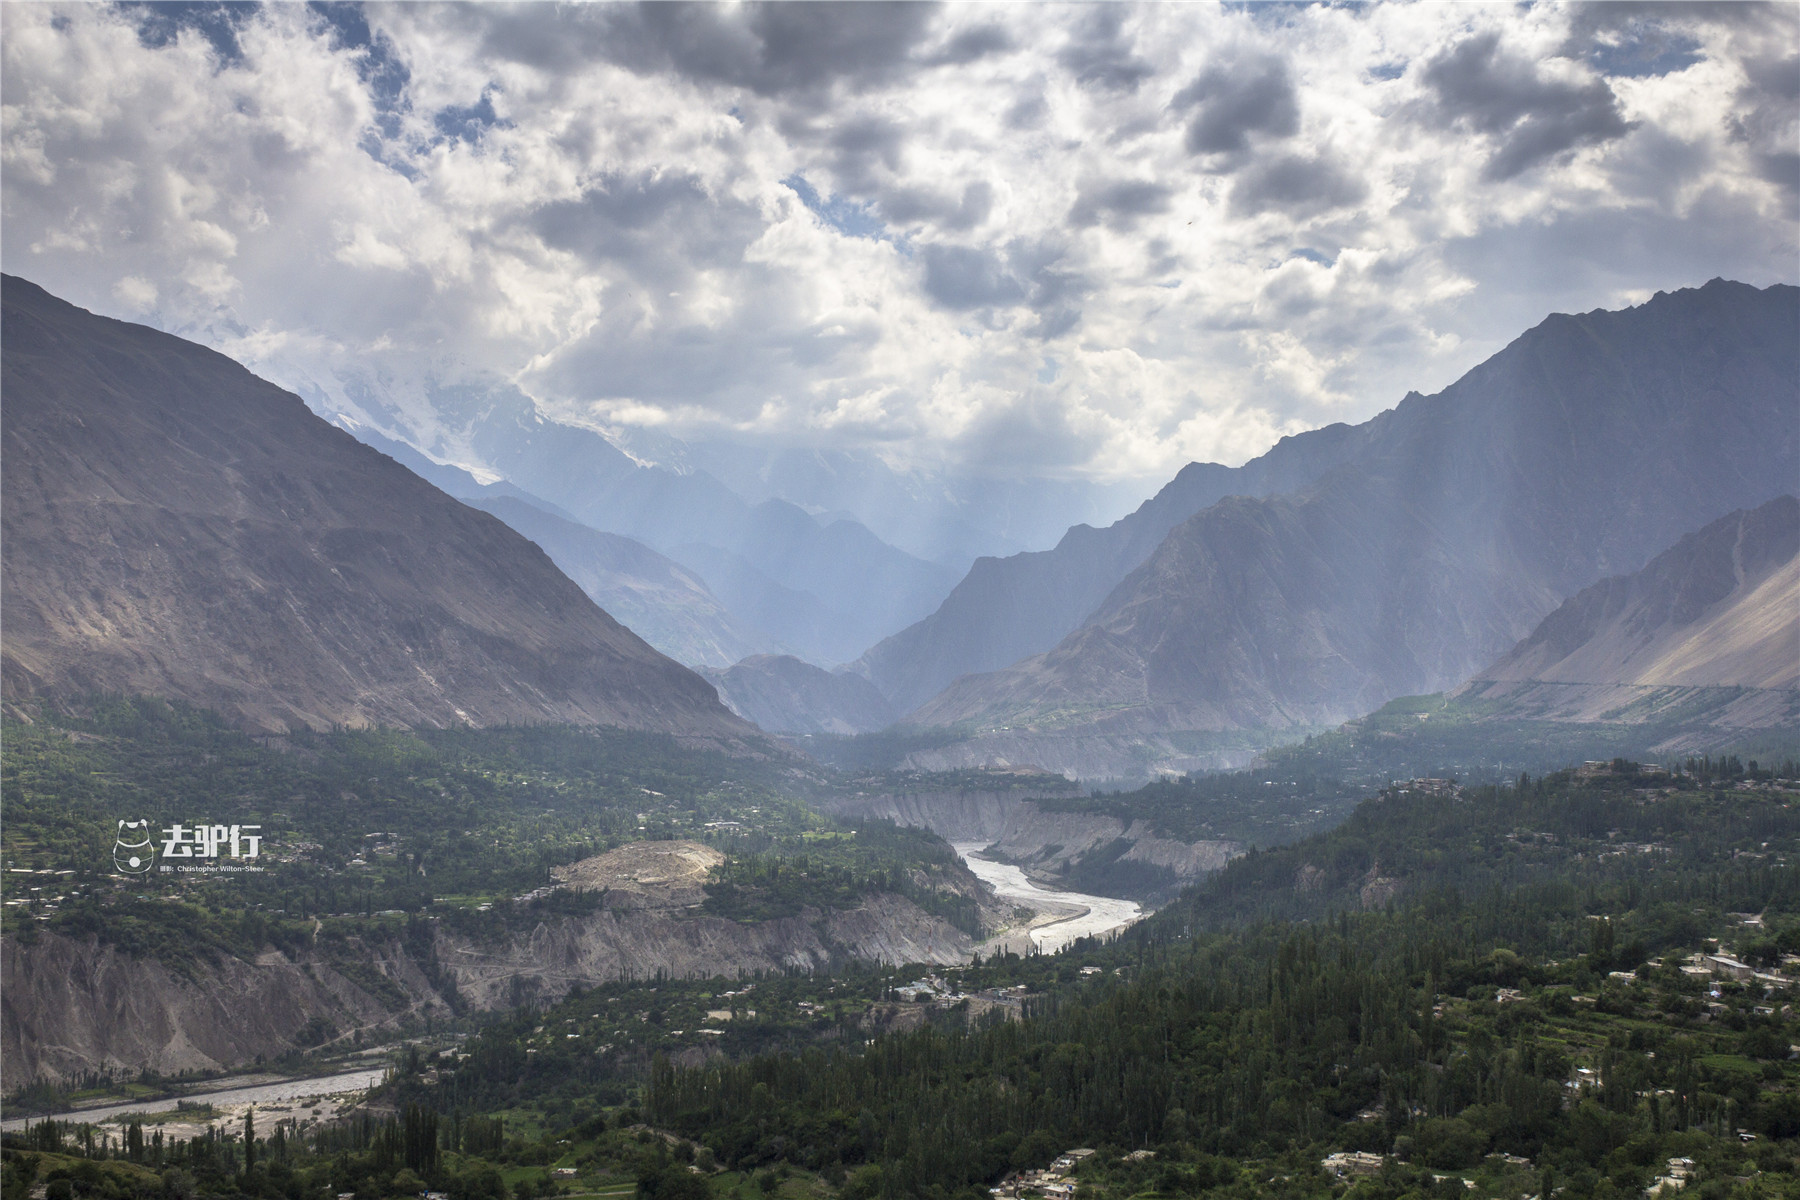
<point>262,1093</point>
<point>1093,914</point>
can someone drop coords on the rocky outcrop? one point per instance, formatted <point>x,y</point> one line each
<point>638,943</point>
<point>174,526</point>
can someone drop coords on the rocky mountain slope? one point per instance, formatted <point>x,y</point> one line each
<point>1703,642</point>
<point>1009,608</point>
<point>176,526</point>
<point>1579,451</point>
<point>784,695</point>
<point>655,597</point>
<point>1720,608</point>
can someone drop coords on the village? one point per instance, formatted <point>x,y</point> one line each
<point>1051,1181</point>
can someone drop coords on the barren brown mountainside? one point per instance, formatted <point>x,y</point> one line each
<point>175,526</point>
<point>1589,444</point>
<point>1704,642</point>
<point>1720,608</point>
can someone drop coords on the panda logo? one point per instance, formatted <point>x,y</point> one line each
<point>132,851</point>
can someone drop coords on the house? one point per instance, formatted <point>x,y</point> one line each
<point>1721,964</point>
<point>1353,1162</point>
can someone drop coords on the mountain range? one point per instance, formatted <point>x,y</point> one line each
<point>821,587</point>
<point>175,526</point>
<point>178,527</point>
<point>1430,541</point>
<point>1005,609</point>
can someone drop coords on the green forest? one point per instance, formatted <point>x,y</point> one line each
<point>370,828</point>
<point>1423,989</point>
<point>1517,1011</point>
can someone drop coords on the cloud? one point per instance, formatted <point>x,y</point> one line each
<point>769,49</point>
<point>946,211</point>
<point>868,228</point>
<point>962,277</point>
<point>970,45</point>
<point>1768,120</point>
<point>1236,100</point>
<point>1294,184</point>
<point>1099,53</point>
<point>1530,115</point>
<point>1119,202</point>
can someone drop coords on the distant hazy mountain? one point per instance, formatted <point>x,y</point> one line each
<point>827,591</point>
<point>828,588</point>
<point>1721,608</point>
<point>656,598</point>
<point>174,525</point>
<point>452,480</point>
<point>1008,608</point>
<point>1579,451</point>
<point>941,516</point>
<point>668,605</point>
<point>784,695</point>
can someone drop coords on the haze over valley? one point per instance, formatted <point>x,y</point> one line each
<point>883,601</point>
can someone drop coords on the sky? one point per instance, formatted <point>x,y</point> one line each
<point>1082,241</point>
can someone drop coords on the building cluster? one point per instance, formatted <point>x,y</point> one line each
<point>1052,1181</point>
<point>1446,788</point>
<point>1676,1177</point>
<point>1724,966</point>
<point>941,993</point>
<point>1347,1163</point>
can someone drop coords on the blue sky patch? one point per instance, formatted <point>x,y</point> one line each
<point>846,216</point>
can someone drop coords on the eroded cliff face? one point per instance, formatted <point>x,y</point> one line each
<point>1047,843</point>
<point>633,941</point>
<point>71,1006</point>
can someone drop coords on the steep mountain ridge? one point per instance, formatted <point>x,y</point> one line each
<point>175,526</point>
<point>1006,609</point>
<point>1586,446</point>
<point>1702,645</point>
<point>658,599</point>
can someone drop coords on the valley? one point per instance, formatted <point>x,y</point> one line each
<point>900,601</point>
<point>582,901</point>
<point>1063,917</point>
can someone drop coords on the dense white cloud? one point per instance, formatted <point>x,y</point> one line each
<point>1063,240</point>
